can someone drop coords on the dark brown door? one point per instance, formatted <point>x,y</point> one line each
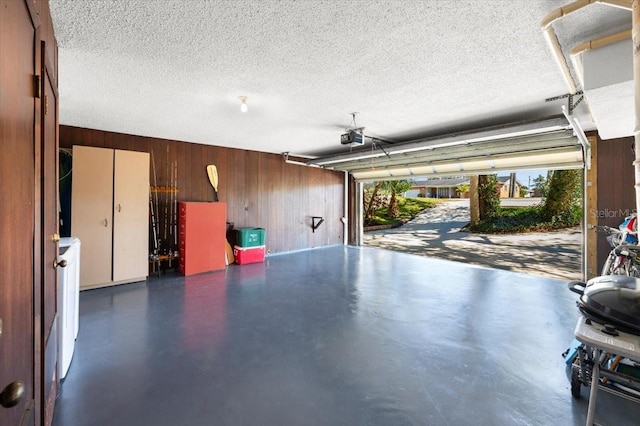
<point>49,182</point>
<point>17,171</point>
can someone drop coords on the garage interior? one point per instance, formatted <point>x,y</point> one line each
<point>324,331</point>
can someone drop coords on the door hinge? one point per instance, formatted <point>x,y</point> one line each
<point>46,105</point>
<point>37,83</point>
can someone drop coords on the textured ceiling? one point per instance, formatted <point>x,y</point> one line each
<point>175,69</point>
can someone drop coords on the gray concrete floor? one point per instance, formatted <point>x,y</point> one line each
<point>437,233</point>
<point>333,336</point>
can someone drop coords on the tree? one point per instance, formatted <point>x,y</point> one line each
<point>512,185</point>
<point>540,184</point>
<point>523,191</point>
<point>462,189</point>
<point>488,196</point>
<point>563,197</point>
<point>371,203</point>
<point>395,187</point>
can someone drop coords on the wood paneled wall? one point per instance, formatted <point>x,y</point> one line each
<point>615,187</point>
<point>260,189</point>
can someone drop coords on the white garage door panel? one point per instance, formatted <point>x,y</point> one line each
<point>558,159</point>
<point>550,148</point>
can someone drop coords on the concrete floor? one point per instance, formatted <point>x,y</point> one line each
<point>333,336</point>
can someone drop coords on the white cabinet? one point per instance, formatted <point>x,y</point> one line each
<point>130,215</point>
<point>92,212</point>
<point>109,214</point>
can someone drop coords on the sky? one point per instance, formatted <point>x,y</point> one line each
<point>526,177</point>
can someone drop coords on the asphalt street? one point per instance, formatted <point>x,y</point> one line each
<point>437,233</point>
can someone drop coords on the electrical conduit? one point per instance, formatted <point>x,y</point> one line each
<point>636,81</point>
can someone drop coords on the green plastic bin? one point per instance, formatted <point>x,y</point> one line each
<point>250,237</point>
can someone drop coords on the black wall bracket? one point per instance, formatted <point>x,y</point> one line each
<point>316,221</point>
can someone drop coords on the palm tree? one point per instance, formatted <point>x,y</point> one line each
<point>395,187</point>
<point>369,210</point>
<point>488,196</point>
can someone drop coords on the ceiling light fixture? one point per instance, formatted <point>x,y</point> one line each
<point>243,106</point>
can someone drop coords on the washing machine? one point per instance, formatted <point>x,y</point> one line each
<point>68,301</point>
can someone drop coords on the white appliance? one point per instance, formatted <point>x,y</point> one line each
<point>68,301</point>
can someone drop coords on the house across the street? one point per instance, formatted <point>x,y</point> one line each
<point>457,187</point>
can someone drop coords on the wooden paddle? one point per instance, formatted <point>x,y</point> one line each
<point>229,252</point>
<point>212,172</point>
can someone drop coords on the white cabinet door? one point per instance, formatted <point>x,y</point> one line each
<point>92,212</point>
<point>130,216</point>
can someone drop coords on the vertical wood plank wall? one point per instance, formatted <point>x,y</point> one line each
<point>615,187</point>
<point>260,189</point>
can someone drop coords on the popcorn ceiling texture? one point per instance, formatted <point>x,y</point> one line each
<point>175,69</point>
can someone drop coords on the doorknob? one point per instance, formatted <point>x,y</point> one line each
<point>61,264</point>
<point>12,394</point>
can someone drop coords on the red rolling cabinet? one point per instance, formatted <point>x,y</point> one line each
<point>201,237</point>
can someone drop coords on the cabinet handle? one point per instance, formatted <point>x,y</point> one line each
<point>106,223</point>
<point>118,208</point>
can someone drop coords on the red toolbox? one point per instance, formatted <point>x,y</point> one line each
<point>248,254</point>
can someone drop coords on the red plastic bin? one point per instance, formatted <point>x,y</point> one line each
<point>249,254</point>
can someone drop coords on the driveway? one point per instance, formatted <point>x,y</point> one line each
<point>436,233</point>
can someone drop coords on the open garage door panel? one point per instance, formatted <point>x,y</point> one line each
<point>550,145</point>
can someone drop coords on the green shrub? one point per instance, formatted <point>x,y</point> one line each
<point>525,219</point>
<point>488,196</point>
<point>563,200</point>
